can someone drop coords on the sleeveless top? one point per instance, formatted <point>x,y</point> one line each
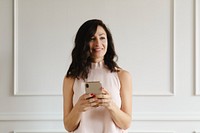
<point>98,119</point>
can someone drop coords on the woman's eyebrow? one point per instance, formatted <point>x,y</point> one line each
<point>101,34</point>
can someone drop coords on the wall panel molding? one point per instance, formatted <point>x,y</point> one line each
<point>197,47</point>
<point>39,131</point>
<point>60,131</point>
<point>25,90</point>
<point>190,116</point>
<point>171,90</point>
<point>15,47</point>
<point>41,91</point>
<point>30,116</point>
<point>154,131</point>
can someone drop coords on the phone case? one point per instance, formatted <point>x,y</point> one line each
<point>93,87</point>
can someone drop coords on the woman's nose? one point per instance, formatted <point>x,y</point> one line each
<point>97,42</point>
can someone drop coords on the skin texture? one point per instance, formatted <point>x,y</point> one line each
<point>120,116</point>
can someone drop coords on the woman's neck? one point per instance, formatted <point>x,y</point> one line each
<point>97,60</point>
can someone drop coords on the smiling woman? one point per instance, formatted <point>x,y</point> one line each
<point>93,59</point>
<point>98,45</point>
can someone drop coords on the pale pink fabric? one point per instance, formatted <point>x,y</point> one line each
<point>98,120</point>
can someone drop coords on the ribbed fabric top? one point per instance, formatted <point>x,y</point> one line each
<point>98,119</point>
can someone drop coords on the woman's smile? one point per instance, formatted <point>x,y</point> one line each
<point>98,44</point>
<point>97,49</point>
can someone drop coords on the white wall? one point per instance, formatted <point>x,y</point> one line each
<point>157,42</point>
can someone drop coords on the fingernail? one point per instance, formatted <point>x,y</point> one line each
<point>92,94</point>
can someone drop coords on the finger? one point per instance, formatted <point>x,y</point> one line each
<point>93,102</point>
<point>88,96</point>
<point>103,96</point>
<point>104,103</point>
<point>105,91</point>
<point>103,100</point>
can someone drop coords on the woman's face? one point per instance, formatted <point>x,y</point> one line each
<point>98,45</point>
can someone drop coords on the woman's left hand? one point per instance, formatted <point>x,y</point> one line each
<point>105,99</point>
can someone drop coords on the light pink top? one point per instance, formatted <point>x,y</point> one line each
<point>98,120</point>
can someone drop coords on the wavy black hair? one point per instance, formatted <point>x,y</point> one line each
<point>81,60</point>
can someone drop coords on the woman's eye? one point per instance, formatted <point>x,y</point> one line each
<point>102,38</point>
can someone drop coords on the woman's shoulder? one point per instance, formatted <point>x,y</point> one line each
<point>123,74</point>
<point>68,81</point>
<point>125,79</point>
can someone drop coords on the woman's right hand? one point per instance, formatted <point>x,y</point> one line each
<point>86,101</point>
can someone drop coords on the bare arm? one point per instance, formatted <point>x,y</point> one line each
<point>72,114</point>
<point>120,116</point>
<point>71,120</point>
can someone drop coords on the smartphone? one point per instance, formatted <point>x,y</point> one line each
<point>93,87</point>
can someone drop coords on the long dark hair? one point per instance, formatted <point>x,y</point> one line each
<point>81,60</point>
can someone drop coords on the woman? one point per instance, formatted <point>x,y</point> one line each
<point>93,60</point>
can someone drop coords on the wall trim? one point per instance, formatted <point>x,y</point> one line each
<point>171,91</point>
<point>197,47</point>
<point>15,47</point>
<point>152,131</point>
<point>39,131</point>
<point>61,131</point>
<point>190,116</point>
<point>17,90</point>
<point>30,116</point>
